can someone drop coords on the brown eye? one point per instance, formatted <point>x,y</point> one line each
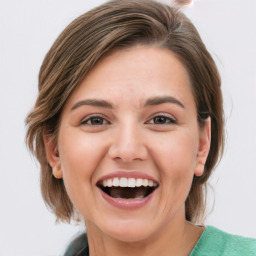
<point>159,120</point>
<point>95,120</point>
<point>163,120</point>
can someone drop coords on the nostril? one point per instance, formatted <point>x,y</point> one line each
<point>128,153</point>
<point>128,144</point>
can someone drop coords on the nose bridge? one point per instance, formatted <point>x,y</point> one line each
<point>127,142</point>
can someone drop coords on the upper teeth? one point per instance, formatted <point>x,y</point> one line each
<point>128,182</point>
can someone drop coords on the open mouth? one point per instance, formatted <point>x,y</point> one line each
<point>127,188</point>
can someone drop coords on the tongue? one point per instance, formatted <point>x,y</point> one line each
<point>128,193</point>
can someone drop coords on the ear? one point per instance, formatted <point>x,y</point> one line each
<point>52,155</point>
<point>203,147</point>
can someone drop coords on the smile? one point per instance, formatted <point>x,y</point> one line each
<point>127,188</point>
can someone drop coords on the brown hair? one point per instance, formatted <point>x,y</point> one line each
<point>83,43</point>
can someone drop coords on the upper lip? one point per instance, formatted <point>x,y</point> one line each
<point>127,174</point>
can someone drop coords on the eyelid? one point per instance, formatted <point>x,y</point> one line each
<point>87,118</point>
<point>166,115</point>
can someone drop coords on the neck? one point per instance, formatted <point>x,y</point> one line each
<point>176,238</point>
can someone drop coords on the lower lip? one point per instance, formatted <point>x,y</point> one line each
<point>127,204</point>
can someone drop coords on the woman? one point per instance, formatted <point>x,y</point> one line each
<point>127,127</point>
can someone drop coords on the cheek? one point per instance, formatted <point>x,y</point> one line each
<point>175,157</point>
<point>79,152</point>
<point>79,155</point>
<point>176,153</point>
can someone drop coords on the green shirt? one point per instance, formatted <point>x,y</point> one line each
<point>213,242</point>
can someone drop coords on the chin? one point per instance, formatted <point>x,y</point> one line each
<point>128,230</point>
<point>130,235</point>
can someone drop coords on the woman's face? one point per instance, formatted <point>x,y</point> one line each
<point>129,143</point>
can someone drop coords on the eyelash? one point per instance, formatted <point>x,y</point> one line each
<point>167,120</point>
<point>88,121</point>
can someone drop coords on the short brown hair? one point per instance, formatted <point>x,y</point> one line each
<point>122,24</point>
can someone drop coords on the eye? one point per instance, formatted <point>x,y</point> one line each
<point>95,120</point>
<point>162,120</point>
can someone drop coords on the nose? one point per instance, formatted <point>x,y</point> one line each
<point>127,144</point>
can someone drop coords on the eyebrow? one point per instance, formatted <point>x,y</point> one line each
<point>150,102</point>
<point>92,102</point>
<point>163,99</point>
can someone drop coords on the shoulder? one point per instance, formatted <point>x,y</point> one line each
<point>212,242</point>
<point>217,242</point>
<point>78,246</point>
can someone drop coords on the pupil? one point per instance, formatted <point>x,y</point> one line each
<point>96,121</point>
<point>160,120</point>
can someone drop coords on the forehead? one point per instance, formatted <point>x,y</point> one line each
<point>140,72</point>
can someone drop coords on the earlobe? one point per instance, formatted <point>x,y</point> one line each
<point>204,147</point>
<point>57,172</point>
<point>52,155</point>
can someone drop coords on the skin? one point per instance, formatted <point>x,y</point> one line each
<point>129,138</point>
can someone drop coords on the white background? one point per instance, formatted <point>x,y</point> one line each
<point>27,30</point>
